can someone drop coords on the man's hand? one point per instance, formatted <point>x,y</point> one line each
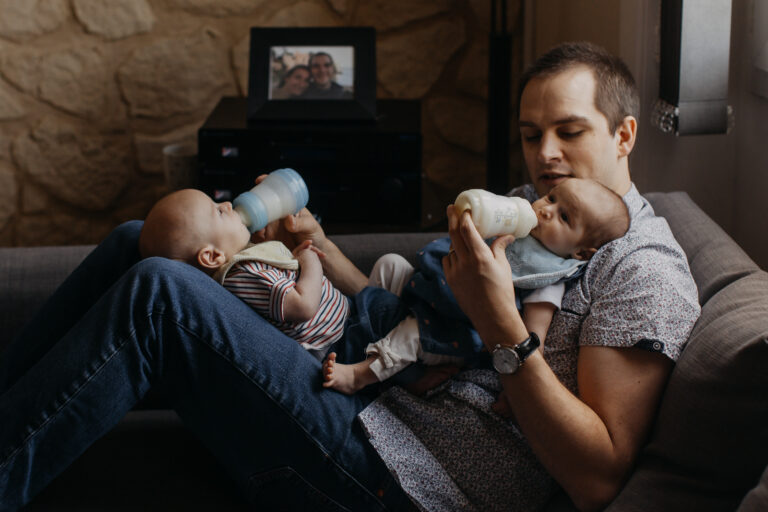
<point>292,230</point>
<point>481,280</point>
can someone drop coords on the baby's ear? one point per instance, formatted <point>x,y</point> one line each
<point>210,257</point>
<point>584,253</point>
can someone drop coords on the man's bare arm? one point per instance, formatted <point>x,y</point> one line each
<point>589,443</point>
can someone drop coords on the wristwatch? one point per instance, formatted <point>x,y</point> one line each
<point>507,360</point>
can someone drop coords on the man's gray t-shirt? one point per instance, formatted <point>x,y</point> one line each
<point>450,451</point>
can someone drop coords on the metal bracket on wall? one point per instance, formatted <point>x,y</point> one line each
<point>693,75</point>
<point>666,117</point>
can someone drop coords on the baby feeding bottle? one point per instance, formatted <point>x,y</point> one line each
<point>495,215</point>
<point>283,192</point>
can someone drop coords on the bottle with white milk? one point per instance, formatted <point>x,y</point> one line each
<point>495,215</point>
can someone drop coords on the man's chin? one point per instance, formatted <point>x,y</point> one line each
<point>548,182</point>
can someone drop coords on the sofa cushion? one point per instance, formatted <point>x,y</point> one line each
<point>715,259</point>
<point>28,276</point>
<point>363,250</point>
<point>710,442</point>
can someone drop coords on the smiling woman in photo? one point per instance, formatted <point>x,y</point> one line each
<point>293,84</point>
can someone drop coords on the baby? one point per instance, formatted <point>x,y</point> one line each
<point>574,220</point>
<point>188,226</point>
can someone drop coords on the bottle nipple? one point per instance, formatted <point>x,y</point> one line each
<point>243,216</point>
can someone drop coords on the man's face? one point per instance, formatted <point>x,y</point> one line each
<point>564,135</point>
<point>322,70</point>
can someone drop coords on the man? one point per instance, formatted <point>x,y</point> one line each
<point>117,326</point>
<point>323,84</point>
<point>578,112</point>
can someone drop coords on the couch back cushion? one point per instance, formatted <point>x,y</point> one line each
<point>710,442</point>
<point>28,276</point>
<point>715,259</point>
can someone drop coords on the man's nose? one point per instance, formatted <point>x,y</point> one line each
<point>549,149</point>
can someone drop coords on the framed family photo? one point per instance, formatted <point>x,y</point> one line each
<point>312,74</point>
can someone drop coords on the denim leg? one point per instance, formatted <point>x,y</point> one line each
<point>87,283</point>
<point>252,395</point>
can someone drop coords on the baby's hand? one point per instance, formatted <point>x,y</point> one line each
<point>305,246</point>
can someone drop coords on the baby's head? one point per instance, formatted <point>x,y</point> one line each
<point>578,217</point>
<point>189,226</point>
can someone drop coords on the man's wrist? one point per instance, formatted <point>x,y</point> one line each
<point>511,334</point>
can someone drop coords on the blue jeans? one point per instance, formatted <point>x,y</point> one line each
<point>119,326</point>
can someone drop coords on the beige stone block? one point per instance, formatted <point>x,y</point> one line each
<point>33,198</point>
<point>303,14</point>
<point>220,8</point>
<point>340,6</point>
<point>21,20</point>
<point>472,77</point>
<point>77,80</point>
<point>137,200</point>
<point>6,136</point>
<point>176,75</point>
<point>388,14</point>
<point>240,59</point>
<point>114,19</point>
<point>8,194</point>
<point>83,168</point>
<point>460,121</point>
<point>409,63</point>
<point>149,148</point>
<point>10,107</point>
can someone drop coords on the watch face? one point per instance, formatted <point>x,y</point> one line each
<point>505,360</point>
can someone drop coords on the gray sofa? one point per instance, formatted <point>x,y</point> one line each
<point>708,450</point>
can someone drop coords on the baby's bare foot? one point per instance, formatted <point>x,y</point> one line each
<point>346,378</point>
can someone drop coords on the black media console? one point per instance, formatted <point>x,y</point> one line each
<point>362,176</point>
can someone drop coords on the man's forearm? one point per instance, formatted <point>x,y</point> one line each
<point>341,271</point>
<point>567,436</point>
<point>590,442</point>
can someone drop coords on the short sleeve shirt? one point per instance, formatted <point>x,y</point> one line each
<point>450,451</point>
<point>264,288</point>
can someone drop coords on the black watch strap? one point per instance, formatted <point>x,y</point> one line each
<point>527,347</point>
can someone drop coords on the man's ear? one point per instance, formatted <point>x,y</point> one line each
<point>584,253</point>
<point>626,135</point>
<point>210,257</point>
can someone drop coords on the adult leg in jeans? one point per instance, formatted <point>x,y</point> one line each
<point>247,391</point>
<point>87,283</point>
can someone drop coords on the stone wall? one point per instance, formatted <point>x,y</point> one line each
<point>91,90</point>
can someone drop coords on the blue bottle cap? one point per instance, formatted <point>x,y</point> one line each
<point>254,209</point>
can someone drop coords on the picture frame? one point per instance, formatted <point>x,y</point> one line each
<point>316,73</point>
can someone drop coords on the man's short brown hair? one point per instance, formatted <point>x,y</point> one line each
<point>616,95</point>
